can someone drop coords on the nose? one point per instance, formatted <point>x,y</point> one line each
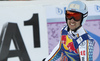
<point>72,20</point>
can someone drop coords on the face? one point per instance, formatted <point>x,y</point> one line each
<point>73,24</point>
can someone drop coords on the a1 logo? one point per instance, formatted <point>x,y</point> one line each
<point>11,31</point>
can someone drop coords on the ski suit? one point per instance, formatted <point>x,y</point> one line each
<point>73,46</point>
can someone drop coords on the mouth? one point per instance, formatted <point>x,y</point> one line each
<point>72,24</point>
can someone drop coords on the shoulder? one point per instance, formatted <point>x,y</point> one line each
<point>91,40</point>
<point>64,30</point>
<point>64,27</point>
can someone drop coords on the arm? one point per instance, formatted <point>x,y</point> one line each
<point>90,50</point>
<point>55,54</point>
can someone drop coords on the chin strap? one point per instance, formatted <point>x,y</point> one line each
<point>77,28</point>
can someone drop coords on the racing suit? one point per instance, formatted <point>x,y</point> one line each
<point>73,46</point>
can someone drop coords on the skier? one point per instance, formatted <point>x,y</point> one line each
<point>75,43</point>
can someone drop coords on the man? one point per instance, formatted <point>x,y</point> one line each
<point>75,43</point>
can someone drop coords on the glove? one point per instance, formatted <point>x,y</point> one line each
<point>44,59</point>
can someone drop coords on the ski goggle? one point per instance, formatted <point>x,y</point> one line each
<point>75,15</point>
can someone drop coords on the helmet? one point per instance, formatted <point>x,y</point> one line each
<point>81,7</point>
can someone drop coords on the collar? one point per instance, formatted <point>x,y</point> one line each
<point>79,32</point>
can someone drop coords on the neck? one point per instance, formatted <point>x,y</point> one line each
<point>76,28</point>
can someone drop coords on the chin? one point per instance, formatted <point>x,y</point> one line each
<point>72,29</point>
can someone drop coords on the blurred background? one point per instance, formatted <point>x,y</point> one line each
<point>45,0</point>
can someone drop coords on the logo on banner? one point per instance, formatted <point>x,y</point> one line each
<point>59,11</point>
<point>97,8</point>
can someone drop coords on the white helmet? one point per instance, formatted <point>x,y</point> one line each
<point>81,7</point>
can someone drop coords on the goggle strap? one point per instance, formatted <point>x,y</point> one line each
<point>85,15</point>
